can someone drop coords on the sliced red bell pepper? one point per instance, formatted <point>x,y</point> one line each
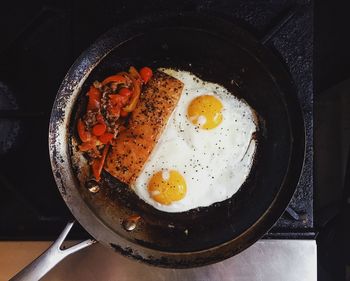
<point>136,86</point>
<point>94,98</point>
<point>135,97</point>
<point>125,92</point>
<point>135,74</point>
<point>97,164</point>
<point>118,79</point>
<point>84,134</point>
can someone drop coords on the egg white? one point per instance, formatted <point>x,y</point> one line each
<point>215,163</point>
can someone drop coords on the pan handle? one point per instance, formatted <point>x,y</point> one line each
<point>52,256</point>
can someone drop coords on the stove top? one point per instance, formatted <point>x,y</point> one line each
<point>42,42</point>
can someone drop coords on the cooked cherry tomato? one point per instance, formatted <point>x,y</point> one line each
<point>146,73</point>
<point>94,98</point>
<point>125,92</point>
<point>97,164</point>
<point>118,79</point>
<point>106,138</point>
<point>84,135</point>
<point>99,129</point>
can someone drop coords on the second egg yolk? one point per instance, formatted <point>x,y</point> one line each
<point>166,187</point>
<point>205,112</point>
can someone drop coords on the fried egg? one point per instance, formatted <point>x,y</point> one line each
<point>205,152</point>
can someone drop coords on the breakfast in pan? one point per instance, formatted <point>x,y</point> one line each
<point>177,141</point>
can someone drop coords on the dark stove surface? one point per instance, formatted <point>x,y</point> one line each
<point>42,40</point>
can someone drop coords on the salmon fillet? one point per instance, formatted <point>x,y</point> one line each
<point>134,145</point>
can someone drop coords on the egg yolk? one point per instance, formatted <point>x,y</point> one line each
<point>205,112</point>
<point>166,187</point>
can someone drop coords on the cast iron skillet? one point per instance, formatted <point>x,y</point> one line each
<point>217,51</point>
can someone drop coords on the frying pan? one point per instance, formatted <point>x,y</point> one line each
<point>218,51</point>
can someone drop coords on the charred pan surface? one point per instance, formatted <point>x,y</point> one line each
<point>134,145</point>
